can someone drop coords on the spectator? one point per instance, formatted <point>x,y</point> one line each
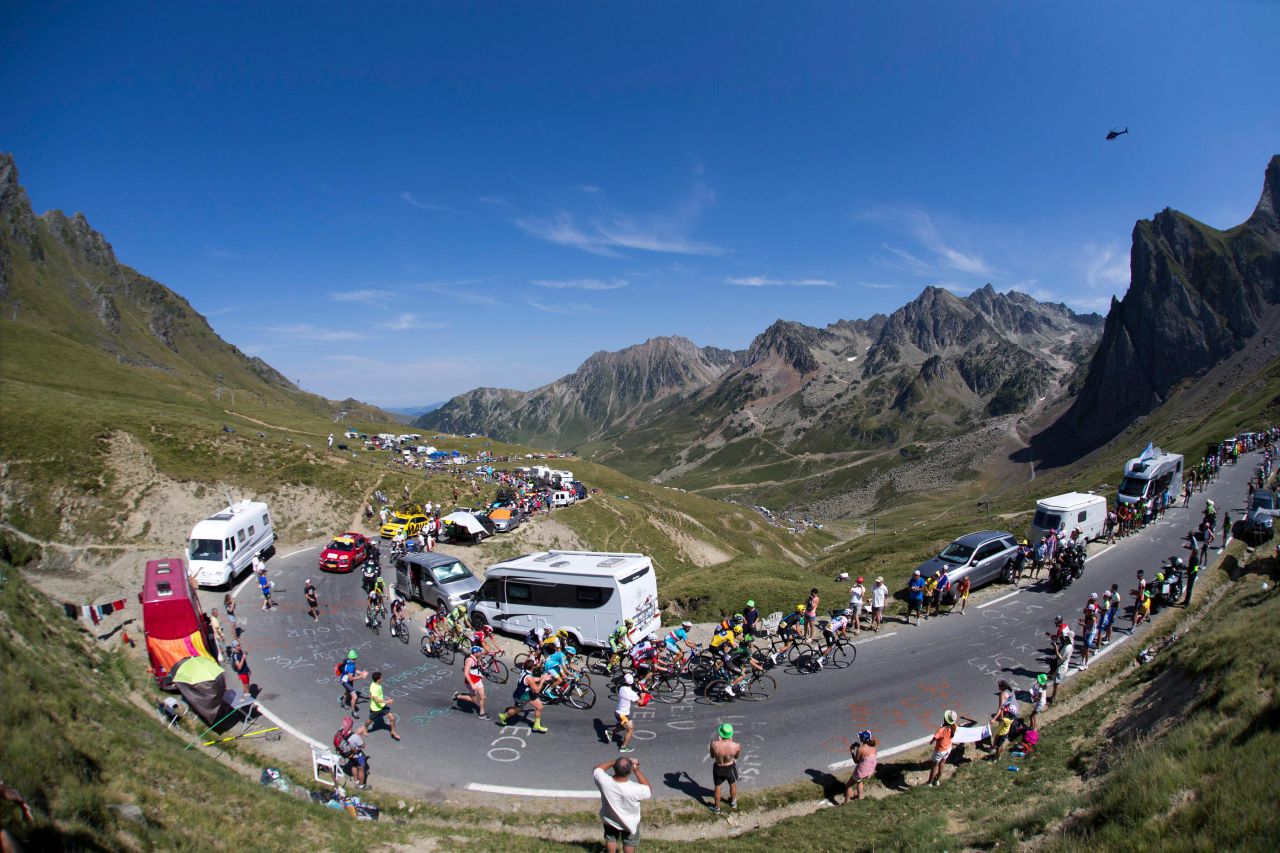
<point>863,754</point>
<point>942,746</point>
<point>1039,697</point>
<point>724,753</point>
<point>856,593</point>
<point>962,594</point>
<point>219,640</point>
<point>620,799</point>
<point>240,664</point>
<point>915,596</point>
<point>879,594</point>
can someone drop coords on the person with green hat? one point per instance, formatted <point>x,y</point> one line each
<point>348,675</point>
<point>724,768</point>
<point>750,617</point>
<point>1039,697</point>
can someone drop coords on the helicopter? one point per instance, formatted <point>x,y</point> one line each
<point>1114,133</point>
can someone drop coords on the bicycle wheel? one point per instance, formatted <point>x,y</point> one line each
<point>598,661</point>
<point>520,660</point>
<point>447,651</point>
<point>496,671</point>
<point>402,631</point>
<point>716,691</point>
<point>669,690</point>
<point>581,696</point>
<point>843,655</point>
<point>758,688</point>
<point>800,652</point>
<point>428,648</point>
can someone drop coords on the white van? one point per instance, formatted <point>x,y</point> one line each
<point>586,592</point>
<point>563,498</point>
<point>1149,474</point>
<point>1068,512</point>
<point>223,545</point>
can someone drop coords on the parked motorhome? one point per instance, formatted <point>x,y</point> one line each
<point>173,622</point>
<point>1068,512</point>
<point>223,545</point>
<point>1149,474</point>
<point>587,592</point>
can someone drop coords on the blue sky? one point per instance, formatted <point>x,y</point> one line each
<point>401,202</point>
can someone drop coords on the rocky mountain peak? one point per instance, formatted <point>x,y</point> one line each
<point>76,234</point>
<point>1267,213</point>
<point>788,341</point>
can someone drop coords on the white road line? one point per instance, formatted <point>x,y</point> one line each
<point>876,637</point>
<point>291,730</point>
<point>299,551</point>
<point>885,753</point>
<point>1000,599</point>
<point>235,593</point>
<point>531,792</point>
<point>1107,648</point>
<point>1103,551</point>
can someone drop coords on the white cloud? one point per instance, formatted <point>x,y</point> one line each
<point>875,285</point>
<point>590,189</point>
<point>1106,267</point>
<point>920,226</point>
<point>410,322</point>
<point>308,332</point>
<point>365,296</point>
<point>763,281</point>
<point>568,310</point>
<point>421,205</point>
<point>580,284</point>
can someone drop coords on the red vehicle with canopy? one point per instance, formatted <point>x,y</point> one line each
<point>173,621</point>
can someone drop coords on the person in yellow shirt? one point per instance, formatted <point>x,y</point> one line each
<point>380,707</point>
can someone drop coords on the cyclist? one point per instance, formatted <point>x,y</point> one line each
<point>380,587</point>
<point>458,622</point>
<point>550,644</point>
<point>741,663</point>
<point>619,642</point>
<point>436,626</point>
<point>536,637</point>
<point>554,665</point>
<point>644,657</point>
<point>373,613</point>
<point>528,688</point>
<point>725,641</point>
<point>789,631</point>
<point>483,637</point>
<point>397,615</point>
<point>677,642</point>
<point>836,628</point>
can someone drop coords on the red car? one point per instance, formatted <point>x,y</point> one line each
<point>344,553</point>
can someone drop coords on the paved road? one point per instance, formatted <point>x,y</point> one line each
<point>898,687</point>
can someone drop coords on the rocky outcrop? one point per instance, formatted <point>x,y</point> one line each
<point>1197,295</point>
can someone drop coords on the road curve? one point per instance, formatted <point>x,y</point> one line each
<point>900,683</point>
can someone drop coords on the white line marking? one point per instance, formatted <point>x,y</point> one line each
<point>1093,657</point>
<point>299,551</point>
<point>1000,599</point>
<point>531,792</point>
<point>876,637</point>
<point>291,730</point>
<point>1103,551</point>
<point>885,753</point>
<point>235,593</point>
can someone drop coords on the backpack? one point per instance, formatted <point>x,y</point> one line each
<point>337,670</point>
<point>342,745</point>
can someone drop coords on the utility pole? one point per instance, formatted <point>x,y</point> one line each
<point>986,505</point>
<point>218,388</point>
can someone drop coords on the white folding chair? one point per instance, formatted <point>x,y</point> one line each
<point>329,763</point>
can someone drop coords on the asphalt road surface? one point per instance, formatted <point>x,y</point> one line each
<point>898,686</point>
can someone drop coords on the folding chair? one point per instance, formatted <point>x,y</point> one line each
<point>328,762</point>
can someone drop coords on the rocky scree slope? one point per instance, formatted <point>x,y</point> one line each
<point>1198,295</point>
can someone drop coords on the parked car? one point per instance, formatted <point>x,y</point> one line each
<point>408,523</point>
<point>344,553</point>
<point>1262,514</point>
<point>505,519</point>
<point>981,556</point>
<point>436,579</point>
<point>464,526</point>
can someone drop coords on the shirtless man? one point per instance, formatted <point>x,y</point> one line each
<point>724,752</point>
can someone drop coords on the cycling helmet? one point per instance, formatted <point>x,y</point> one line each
<point>846,612</point>
<point>737,630</point>
<point>737,619</point>
<point>653,638</point>
<point>799,608</point>
<point>1057,620</point>
<point>486,631</point>
<point>352,655</point>
<point>1178,562</point>
<point>1093,596</point>
<point>1159,576</point>
<point>686,624</point>
<point>570,651</point>
<point>630,623</point>
<point>475,650</point>
<point>308,581</point>
<point>864,736</point>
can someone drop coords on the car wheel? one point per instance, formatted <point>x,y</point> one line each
<point>480,537</point>
<point>478,621</point>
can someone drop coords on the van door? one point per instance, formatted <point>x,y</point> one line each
<point>404,580</point>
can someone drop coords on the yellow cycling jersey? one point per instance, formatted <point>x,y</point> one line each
<point>722,638</point>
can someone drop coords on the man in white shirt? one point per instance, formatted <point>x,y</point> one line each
<point>626,726</point>
<point>879,593</point>
<point>620,799</point>
<point>856,593</point>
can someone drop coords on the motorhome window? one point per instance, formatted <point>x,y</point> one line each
<point>956,553</point>
<point>592,596</point>
<point>636,576</point>
<point>1046,520</point>
<point>491,591</point>
<point>450,572</point>
<point>266,520</point>
<point>519,593</point>
<point>252,532</point>
<point>205,549</point>
<point>1133,487</point>
<point>1082,516</point>
<point>240,536</point>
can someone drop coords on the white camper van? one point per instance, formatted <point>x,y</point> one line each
<point>1068,512</point>
<point>563,497</point>
<point>587,592</point>
<point>1149,474</point>
<point>223,545</point>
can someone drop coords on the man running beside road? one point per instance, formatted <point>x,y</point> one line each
<point>625,727</point>
<point>348,676</point>
<point>313,600</point>
<point>380,707</point>
<point>724,753</point>
<point>473,675</point>
<point>529,687</point>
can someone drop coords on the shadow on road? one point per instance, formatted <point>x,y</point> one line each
<point>830,785</point>
<point>686,784</point>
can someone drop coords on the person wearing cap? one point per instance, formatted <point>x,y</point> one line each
<point>625,727</point>
<point>348,675</point>
<point>313,600</point>
<point>620,798</point>
<point>915,596</point>
<point>879,595</point>
<point>856,594</point>
<point>724,768</point>
<point>1063,645</point>
<point>240,663</point>
<point>473,676</point>
<point>863,754</point>
<point>961,595</point>
<point>1039,697</point>
<point>750,616</point>
<point>941,743</point>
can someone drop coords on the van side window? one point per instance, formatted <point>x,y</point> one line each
<point>491,591</point>
<point>252,532</point>
<point>240,536</point>
<point>1082,515</point>
<point>591,596</point>
<point>519,593</point>
<point>266,520</point>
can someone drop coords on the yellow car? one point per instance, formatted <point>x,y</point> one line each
<point>410,524</point>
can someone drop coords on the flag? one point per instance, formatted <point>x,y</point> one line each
<point>1148,451</point>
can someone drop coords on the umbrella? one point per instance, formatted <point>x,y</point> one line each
<point>202,683</point>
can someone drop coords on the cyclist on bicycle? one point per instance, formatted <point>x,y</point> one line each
<point>397,614</point>
<point>789,631</point>
<point>435,627</point>
<point>379,589</point>
<point>741,663</point>
<point>558,667</point>
<point>836,628</point>
<point>536,637</point>
<point>373,613</point>
<point>644,657</point>
<point>458,622</point>
<point>619,642</point>
<point>483,637</point>
<point>725,641</point>
<point>678,643</point>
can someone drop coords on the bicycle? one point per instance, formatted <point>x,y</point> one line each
<point>799,650</point>
<point>492,668</point>
<point>599,660</point>
<point>373,617</point>
<point>842,654</point>
<point>399,629</point>
<point>756,688</point>
<point>576,692</point>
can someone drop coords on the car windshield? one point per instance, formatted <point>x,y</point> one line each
<point>340,545</point>
<point>450,572</point>
<point>1264,500</point>
<point>1133,487</point>
<point>957,553</point>
<point>206,549</point>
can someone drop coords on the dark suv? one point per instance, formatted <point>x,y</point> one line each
<point>980,556</point>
